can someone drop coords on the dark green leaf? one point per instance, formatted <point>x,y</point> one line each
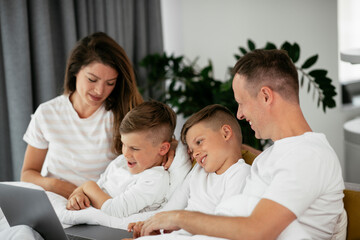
<point>323,82</point>
<point>309,62</point>
<point>309,86</point>
<point>329,102</point>
<point>302,81</point>
<point>286,46</point>
<point>318,73</point>
<point>237,57</point>
<point>270,46</point>
<point>251,45</point>
<point>243,50</point>
<point>313,94</point>
<point>295,52</point>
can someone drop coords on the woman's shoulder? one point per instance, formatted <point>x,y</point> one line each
<point>55,103</point>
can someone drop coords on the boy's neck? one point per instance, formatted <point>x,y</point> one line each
<point>232,158</point>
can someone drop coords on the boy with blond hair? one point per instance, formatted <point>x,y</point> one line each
<point>135,181</point>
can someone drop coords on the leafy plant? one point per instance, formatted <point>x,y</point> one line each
<point>192,87</point>
<point>317,78</point>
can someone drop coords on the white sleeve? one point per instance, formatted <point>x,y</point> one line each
<point>177,201</point>
<point>150,187</point>
<point>296,184</point>
<point>34,134</point>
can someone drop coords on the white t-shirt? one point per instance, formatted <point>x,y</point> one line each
<point>202,191</point>
<point>303,174</point>
<point>78,149</point>
<point>133,193</point>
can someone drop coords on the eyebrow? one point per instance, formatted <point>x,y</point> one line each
<point>99,77</point>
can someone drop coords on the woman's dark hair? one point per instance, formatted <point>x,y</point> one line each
<point>99,47</point>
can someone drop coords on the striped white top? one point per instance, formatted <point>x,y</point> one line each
<point>78,149</point>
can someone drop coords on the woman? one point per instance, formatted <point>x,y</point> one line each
<point>73,137</point>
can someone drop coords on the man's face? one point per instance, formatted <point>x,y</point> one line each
<point>250,107</point>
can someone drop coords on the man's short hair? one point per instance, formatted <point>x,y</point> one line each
<point>271,68</point>
<point>153,116</point>
<point>215,116</point>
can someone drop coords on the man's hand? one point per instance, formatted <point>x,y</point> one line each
<point>135,228</point>
<point>162,220</point>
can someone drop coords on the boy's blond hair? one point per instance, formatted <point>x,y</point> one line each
<point>214,116</point>
<point>153,116</point>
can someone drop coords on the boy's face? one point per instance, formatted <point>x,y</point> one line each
<point>139,151</point>
<point>207,147</point>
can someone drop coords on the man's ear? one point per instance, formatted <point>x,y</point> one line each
<point>267,95</point>
<point>226,131</point>
<point>164,148</point>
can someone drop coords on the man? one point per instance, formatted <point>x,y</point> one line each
<point>298,180</point>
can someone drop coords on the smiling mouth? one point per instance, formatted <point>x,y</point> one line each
<point>202,160</point>
<point>131,164</point>
<point>96,99</point>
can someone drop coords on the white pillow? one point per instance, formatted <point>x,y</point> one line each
<point>179,168</point>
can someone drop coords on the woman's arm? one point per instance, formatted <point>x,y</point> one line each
<point>33,163</point>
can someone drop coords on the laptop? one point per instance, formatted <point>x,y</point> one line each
<point>32,207</point>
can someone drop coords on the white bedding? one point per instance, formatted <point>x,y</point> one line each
<point>178,171</point>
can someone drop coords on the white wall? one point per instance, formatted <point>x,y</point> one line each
<point>214,29</point>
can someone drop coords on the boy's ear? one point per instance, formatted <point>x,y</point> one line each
<point>164,148</point>
<point>226,131</point>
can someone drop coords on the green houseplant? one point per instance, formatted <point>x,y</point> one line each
<point>192,87</point>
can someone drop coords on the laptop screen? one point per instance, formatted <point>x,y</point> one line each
<point>31,207</point>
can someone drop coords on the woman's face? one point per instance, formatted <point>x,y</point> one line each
<point>94,83</point>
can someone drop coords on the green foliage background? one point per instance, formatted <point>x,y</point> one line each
<point>192,87</point>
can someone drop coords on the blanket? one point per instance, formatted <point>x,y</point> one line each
<point>68,218</point>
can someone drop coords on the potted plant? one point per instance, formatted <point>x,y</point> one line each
<point>190,87</point>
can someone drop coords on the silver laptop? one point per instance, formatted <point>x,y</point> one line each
<point>32,207</point>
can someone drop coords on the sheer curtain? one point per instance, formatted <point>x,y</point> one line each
<point>35,40</point>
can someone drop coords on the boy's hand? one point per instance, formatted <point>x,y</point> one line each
<point>135,228</point>
<point>78,200</point>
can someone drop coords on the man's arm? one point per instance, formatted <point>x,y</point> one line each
<point>267,221</point>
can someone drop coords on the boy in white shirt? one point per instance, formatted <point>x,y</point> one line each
<point>213,137</point>
<point>135,181</point>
